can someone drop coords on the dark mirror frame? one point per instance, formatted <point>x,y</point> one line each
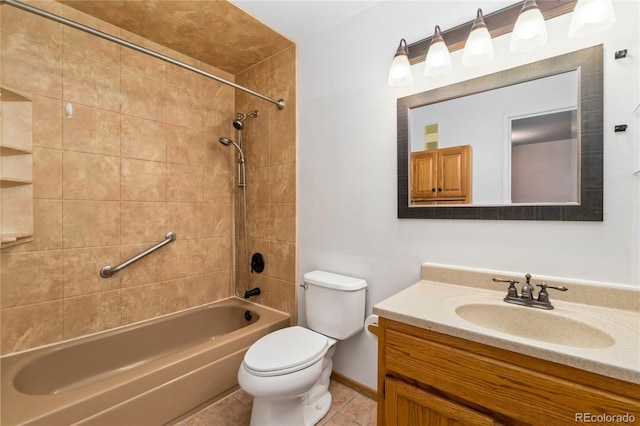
<point>588,62</point>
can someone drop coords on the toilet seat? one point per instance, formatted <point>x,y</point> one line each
<point>285,351</point>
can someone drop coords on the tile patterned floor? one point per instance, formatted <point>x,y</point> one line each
<point>349,408</point>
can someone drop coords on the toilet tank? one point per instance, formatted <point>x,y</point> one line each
<point>334,304</point>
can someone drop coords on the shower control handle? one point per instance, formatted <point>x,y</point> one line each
<point>257,263</point>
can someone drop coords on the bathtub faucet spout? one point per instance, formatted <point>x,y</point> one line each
<point>252,292</point>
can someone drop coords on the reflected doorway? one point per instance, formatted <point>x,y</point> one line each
<point>544,158</point>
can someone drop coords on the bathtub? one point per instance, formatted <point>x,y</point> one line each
<point>148,373</point>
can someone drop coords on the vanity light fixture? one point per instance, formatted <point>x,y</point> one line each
<point>591,16</point>
<point>438,61</point>
<point>400,71</point>
<point>524,19</point>
<point>478,49</point>
<point>530,30</point>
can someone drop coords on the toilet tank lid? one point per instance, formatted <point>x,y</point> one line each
<point>334,281</point>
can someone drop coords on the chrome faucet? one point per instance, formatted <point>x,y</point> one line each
<point>526,297</point>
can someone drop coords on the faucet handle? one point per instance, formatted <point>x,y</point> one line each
<point>502,280</point>
<point>512,292</point>
<point>543,296</point>
<point>555,287</point>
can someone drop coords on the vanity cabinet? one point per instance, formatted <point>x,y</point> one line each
<point>429,378</point>
<point>441,176</point>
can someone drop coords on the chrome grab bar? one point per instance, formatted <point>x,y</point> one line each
<point>108,271</point>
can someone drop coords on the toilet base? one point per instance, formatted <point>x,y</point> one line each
<point>305,410</point>
<point>313,413</point>
<point>293,412</point>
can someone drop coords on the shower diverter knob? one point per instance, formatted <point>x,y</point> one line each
<point>257,263</point>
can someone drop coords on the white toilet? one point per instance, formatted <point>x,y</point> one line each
<point>287,371</point>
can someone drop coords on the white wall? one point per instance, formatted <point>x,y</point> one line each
<point>347,165</point>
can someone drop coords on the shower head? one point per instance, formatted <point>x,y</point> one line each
<point>238,123</point>
<point>226,142</point>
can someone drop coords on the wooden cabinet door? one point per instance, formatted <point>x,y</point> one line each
<point>441,175</point>
<point>423,175</point>
<point>453,172</point>
<point>408,405</point>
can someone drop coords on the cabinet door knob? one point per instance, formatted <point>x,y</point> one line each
<point>433,190</point>
<point>439,189</point>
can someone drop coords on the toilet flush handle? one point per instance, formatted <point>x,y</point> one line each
<point>305,286</point>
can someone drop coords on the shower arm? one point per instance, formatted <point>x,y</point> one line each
<point>279,103</point>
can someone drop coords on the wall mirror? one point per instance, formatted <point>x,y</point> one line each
<point>524,143</point>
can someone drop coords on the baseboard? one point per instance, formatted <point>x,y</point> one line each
<point>359,387</point>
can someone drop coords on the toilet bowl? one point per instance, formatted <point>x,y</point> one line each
<point>287,372</point>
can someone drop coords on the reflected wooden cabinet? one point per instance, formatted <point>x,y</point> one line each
<point>427,378</point>
<point>441,176</point>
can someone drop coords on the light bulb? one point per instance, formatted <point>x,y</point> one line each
<point>591,16</point>
<point>530,30</point>
<point>438,61</point>
<point>478,49</point>
<point>400,71</point>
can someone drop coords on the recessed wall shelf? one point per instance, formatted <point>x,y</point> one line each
<point>16,169</point>
<point>7,150</point>
<point>8,182</point>
<point>12,238</point>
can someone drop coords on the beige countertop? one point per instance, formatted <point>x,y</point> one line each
<point>432,305</point>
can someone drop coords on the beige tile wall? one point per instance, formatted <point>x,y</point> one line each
<point>270,148</point>
<point>138,158</point>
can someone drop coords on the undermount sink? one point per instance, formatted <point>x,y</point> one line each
<point>534,324</point>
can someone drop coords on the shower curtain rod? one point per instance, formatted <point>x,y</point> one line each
<point>279,103</point>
